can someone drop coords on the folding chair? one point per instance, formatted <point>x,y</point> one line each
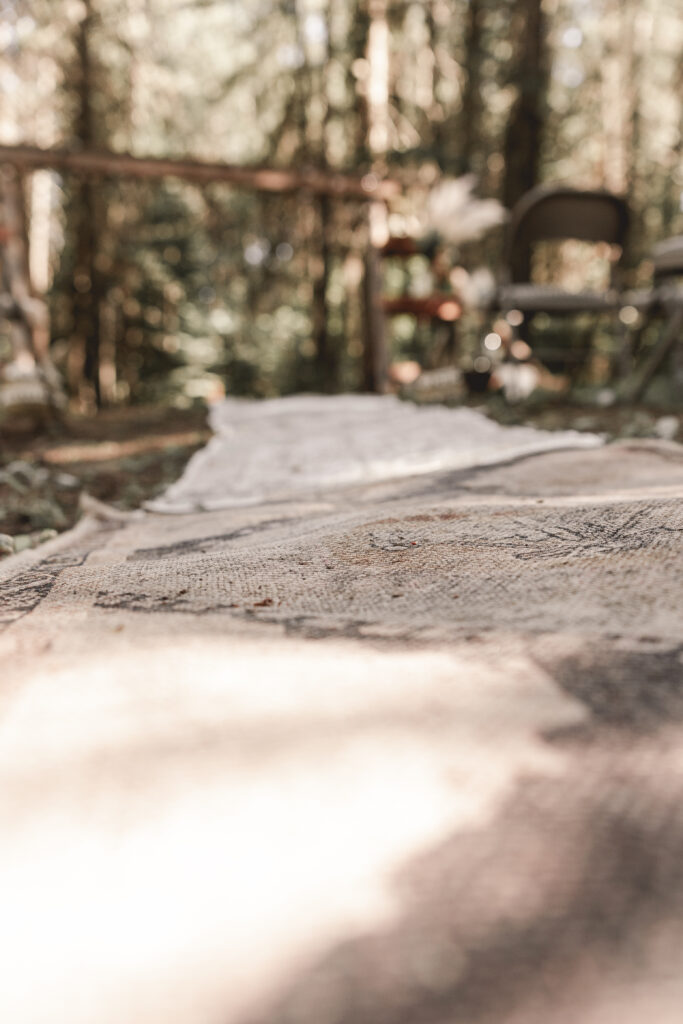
<point>664,299</point>
<point>557,212</point>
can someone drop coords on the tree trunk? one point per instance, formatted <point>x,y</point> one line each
<point>358,44</point>
<point>375,356</point>
<point>28,314</point>
<point>524,132</point>
<point>311,82</point>
<point>470,118</point>
<point>15,277</point>
<point>85,358</point>
<point>324,349</point>
<point>378,82</point>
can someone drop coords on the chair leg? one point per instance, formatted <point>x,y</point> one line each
<point>445,345</point>
<point>678,362</point>
<point>672,333</point>
<point>628,340</point>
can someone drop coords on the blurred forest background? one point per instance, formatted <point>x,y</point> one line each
<point>168,290</point>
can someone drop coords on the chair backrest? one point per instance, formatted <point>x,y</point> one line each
<point>561,212</point>
<point>667,257</point>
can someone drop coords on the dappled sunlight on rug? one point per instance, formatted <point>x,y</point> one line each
<point>405,748</point>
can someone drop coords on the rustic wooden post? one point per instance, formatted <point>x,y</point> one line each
<point>375,362</point>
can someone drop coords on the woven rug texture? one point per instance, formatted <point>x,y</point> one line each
<point>376,717</point>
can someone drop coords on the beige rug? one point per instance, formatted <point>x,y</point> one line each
<point>402,747</point>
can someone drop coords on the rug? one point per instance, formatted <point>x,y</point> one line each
<point>304,444</point>
<point>393,737</point>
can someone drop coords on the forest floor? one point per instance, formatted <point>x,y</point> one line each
<point>122,456</point>
<point>125,456</point>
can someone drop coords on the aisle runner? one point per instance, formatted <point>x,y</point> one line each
<point>406,748</point>
<point>290,447</point>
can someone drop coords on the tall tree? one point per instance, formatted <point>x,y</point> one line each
<point>87,283</point>
<point>470,116</point>
<point>524,130</point>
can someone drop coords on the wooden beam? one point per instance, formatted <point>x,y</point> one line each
<point>375,355</point>
<point>261,179</point>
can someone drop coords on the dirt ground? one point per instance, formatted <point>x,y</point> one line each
<point>124,456</point>
<point>615,421</point>
<point>121,457</point>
